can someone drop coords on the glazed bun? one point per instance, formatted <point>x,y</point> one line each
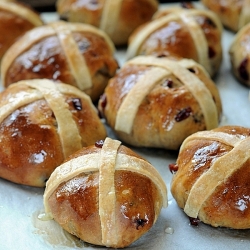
<point>212,181</point>
<point>42,123</point>
<point>158,102</point>
<point>15,20</point>
<point>105,194</point>
<point>117,18</point>
<point>233,14</point>
<point>182,33</point>
<point>72,53</point>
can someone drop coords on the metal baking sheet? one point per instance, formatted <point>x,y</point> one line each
<point>20,205</point>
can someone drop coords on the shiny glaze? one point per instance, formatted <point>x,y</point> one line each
<point>170,40</point>
<point>192,163</point>
<point>229,205</point>
<point>232,199</point>
<point>30,143</point>
<point>43,60</point>
<point>75,205</point>
<point>46,59</point>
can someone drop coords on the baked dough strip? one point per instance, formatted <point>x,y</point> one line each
<point>74,58</point>
<point>110,16</point>
<point>199,39</point>
<point>195,30</point>
<point>107,196</point>
<point>91,163</point>
<point>76,61</point>
<point>194,84</point>
<point>130,105</point>
<point>23,98</point>
<point>222,137</point>
<point>204,187</point>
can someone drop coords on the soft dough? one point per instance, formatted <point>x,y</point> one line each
<point>42,123</point>
<point>158,102</point>
<point>105,194</point>
<point>212,181</point>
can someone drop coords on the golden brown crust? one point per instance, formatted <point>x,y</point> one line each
<point>154,118</point>
<point>212,178</point>
<point>117,18</point>
<point>240,55</point>
<point>112,205</point>
<point>35,137</point>
<point>15,20</point>
<point>77,54</point>
<point>233,14</point>
<point>186,33</point>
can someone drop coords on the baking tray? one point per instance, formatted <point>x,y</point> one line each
<point>20,205</point>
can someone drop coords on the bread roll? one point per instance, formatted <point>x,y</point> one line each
<point>77,54</point>
<point>117,18</point>
<point>15,20</point>
<point>105,194</point>
<point>42,123</point>
<point>240,55</point>
<point>186,33</point>
<point>158,102</point>
<point>212,181</point>
<point>233,14</point>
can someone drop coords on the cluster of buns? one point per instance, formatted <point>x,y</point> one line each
<point>162,97</point>
<point>50,129</point>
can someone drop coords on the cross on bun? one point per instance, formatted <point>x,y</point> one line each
<point>73,53</point>
<point>42,123</point>
<point>158,102</point>
<point>105,194</point>
<point>212,180</point>
<point>181,33</point>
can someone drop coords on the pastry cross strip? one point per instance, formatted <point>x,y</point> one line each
<point>162,67</point>
<point>53,94</point>
<point>220,170</point>
<point>106,161</point>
